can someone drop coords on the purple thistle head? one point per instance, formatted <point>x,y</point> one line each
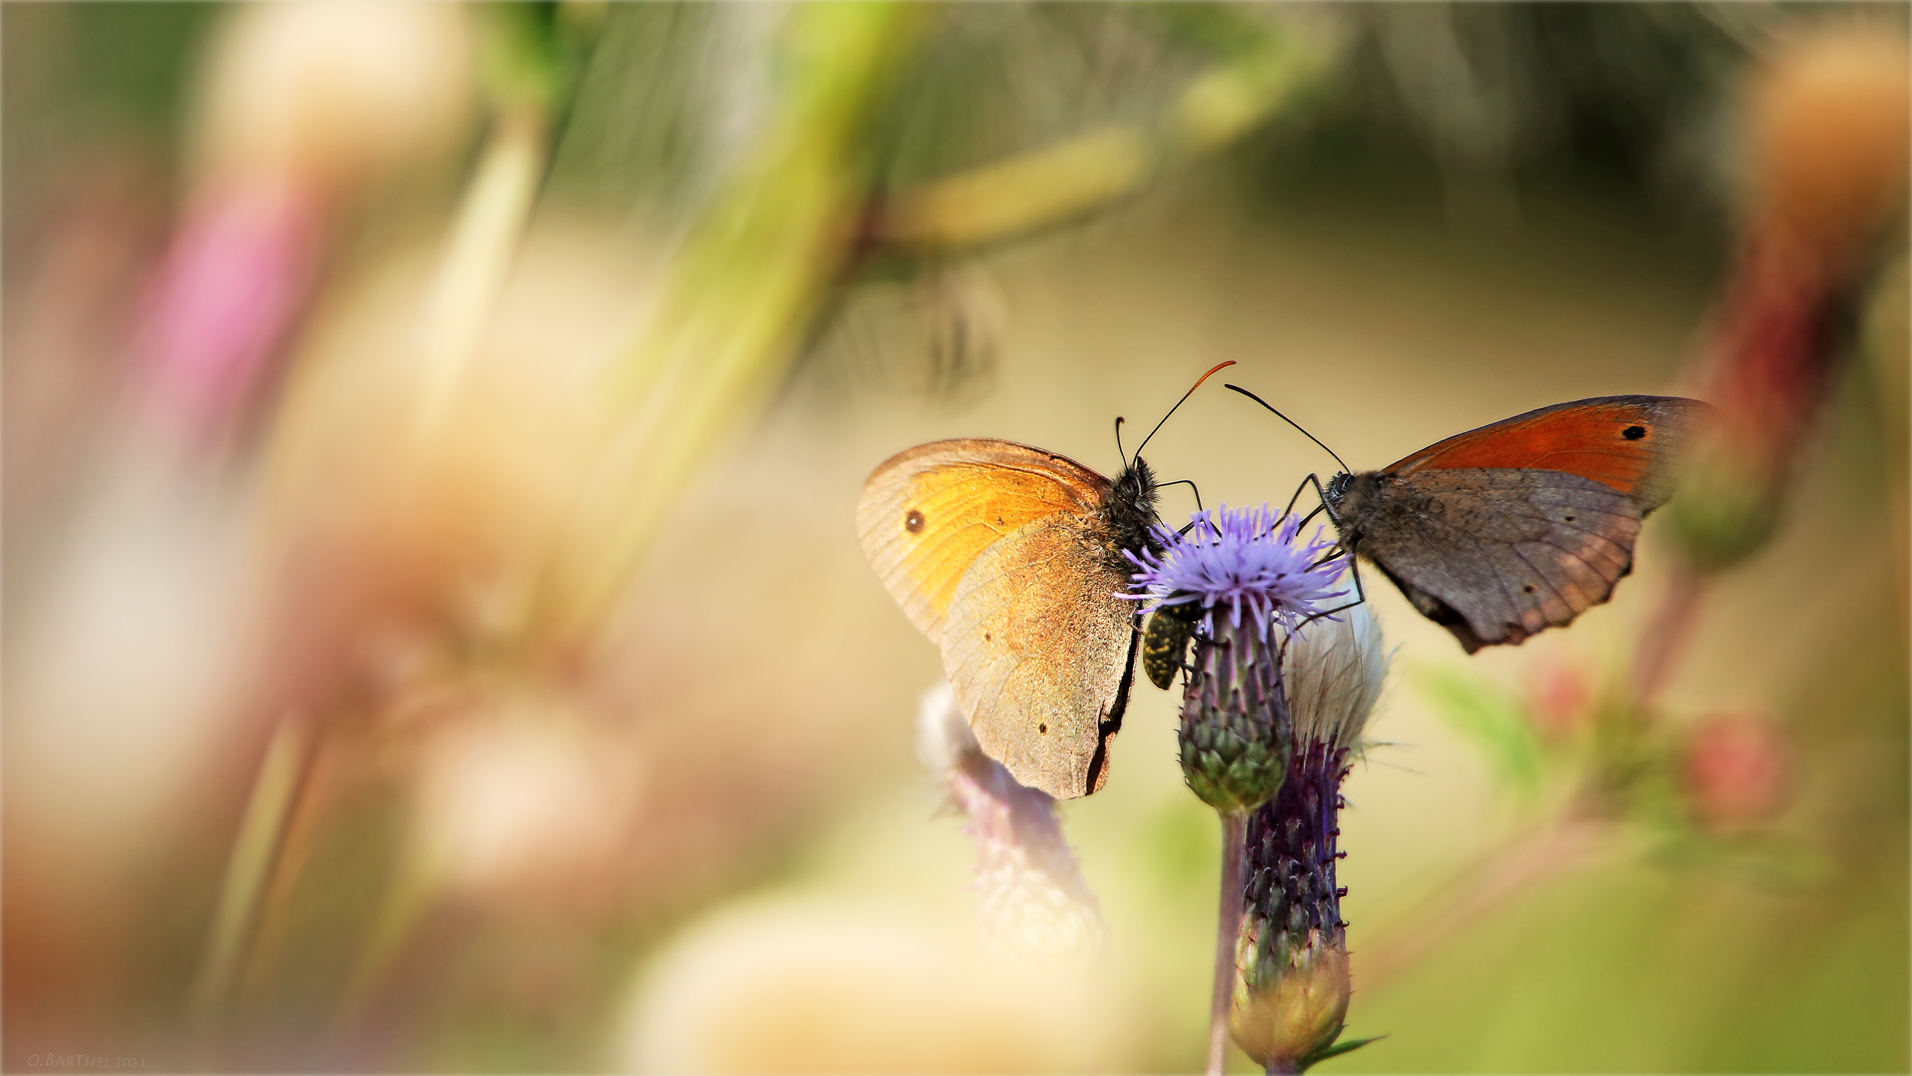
<point>1271,708</point>
<point>1245,562</point>
<point>1226,586</point>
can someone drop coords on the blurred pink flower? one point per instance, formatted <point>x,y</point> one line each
<point>1827,148</point>
<point>303,108</point>
<point>238,274</point>
<point>1557,696</point>
<point>1031,896</point>
<point>1736,772</point>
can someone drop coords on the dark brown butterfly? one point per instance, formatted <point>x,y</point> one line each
<point>1522,525</point>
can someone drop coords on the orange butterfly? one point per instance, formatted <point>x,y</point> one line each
<point>1010,558</point>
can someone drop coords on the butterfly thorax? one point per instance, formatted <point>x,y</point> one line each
<point>1130,515</point>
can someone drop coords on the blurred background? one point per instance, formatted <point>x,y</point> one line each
<point>436,638</point>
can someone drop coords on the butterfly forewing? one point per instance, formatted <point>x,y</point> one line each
<point>927,512</point>
<point>1627,442</point>
<point>999,552</point>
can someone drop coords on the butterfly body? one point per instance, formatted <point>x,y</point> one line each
<point>1504,531</point>
<point>1009,558</point>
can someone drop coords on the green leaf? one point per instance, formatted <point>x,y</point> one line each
<point>1335,1050</point>
<point>1487,718</point>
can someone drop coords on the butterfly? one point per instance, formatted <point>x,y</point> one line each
<point>1010,558</point>
<point>1507,530</point>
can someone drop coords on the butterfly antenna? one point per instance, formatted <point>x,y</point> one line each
<point>1291,422</point>
<point>1118,443</point>
<point>1183,400</point>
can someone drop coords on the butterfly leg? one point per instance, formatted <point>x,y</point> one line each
<point>1304,485</point>
<point>1360,593</point>
<point>1197,490</point>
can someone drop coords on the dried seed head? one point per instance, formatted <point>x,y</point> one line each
<point>1031,897</point>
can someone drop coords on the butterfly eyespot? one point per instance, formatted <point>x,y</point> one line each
<point>913,522</point>
<point>1633,433</point>
<point>1043,727</point>
<point>1528,589</point>
<point>987,637</point>
<point>1566,519</point>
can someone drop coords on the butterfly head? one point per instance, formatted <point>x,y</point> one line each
<point>1351,500</point>
<point>1338,488</point>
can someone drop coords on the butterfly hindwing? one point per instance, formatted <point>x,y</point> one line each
<point>1038,653</point>
<point>1496,555</point>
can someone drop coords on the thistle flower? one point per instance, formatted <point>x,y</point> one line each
<point>1245,590</point>
<point>1032,899</point>
<point>1234,578</point>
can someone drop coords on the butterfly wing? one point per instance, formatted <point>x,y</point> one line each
<point>926,513</point>
<point>1627,442</point>
<point>1041,654</point>
<point>1495,554</point>
<point>993,550</point>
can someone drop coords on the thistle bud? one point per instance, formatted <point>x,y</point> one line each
<point>1235,725</point>
<point>1827,163</point>
<point>1292,993</point>
<point>1292,951</point>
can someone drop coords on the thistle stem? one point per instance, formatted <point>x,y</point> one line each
<point>1228,924</point>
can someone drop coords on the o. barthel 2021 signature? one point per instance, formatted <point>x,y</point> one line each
<point>83,1061</point>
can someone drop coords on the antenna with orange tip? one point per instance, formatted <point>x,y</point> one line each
<point>1191,391</point>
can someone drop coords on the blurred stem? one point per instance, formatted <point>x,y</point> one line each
<point>1547,851</point>
<point>1227,929</point>
<point>484,238</point>
<point>532,55</point>
<point>1092,171</point>
<point>295,848</point>
<point>757,265</point>
<point>256,852</point>
<point>1664,639</point>
<point>413,889</point>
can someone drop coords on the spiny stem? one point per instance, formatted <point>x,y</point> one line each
<point>1234,834</point>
